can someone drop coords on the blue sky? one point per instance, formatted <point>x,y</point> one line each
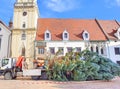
<point>82,9</point>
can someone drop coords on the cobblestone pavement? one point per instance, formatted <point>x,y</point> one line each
<point>26,83</point>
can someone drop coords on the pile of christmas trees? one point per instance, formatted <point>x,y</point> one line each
<point>82,66</point>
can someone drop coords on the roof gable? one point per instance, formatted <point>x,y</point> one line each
<point>110,28</point>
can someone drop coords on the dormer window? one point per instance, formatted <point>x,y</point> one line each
<point>47,35</point>
<point>65,35</point>
<point>86,35</point>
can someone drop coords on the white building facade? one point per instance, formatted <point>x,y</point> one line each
<point>5,40</point>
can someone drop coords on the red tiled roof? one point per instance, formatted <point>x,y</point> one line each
<point>110,28</point>
<point>74,27</point>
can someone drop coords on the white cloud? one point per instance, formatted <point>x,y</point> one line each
<point>61,5</point>
<point>118,2</point>
<point>112,3</point>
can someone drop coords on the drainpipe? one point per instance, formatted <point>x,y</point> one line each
<point>34,50</point>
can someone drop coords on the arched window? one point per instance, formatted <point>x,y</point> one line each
<point>86,35</point>
<point>23,51</point>
<point>24,25</point>
<point>47,35</point>
<point>91,49</point>
<point>97,50</point>
<point>102,51</point>
<point>65,35</point>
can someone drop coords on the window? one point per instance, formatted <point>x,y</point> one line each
<point>91,49</point>
<point>0,43</point>
<point>97,50</point>
<point>23,51</point>
<point>24,25</point>
<point>40,50</point>
<point>117,51</point>
<point>0,29</point>
<point>69,49</point>
<point>65,35</point>
<point>118,62</point>
<point>102,51</point>
<point>52,50</point>
<point>47,35</point>
<point>86,35</point>
<point>23,37</point>
<point>5,62</point>
<point>61,50</point>
<point>24,13</point>
<point>78,49</point>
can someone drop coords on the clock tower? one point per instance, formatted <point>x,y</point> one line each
<point>25,17</point>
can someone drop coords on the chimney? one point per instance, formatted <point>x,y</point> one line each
<point>10,24</point>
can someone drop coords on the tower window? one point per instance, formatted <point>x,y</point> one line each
<point>24,13</point>
<point>23,37</point>
<point>23,51</point>
<point>24,25</point>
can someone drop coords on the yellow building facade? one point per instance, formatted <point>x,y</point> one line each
<point>25,18</point>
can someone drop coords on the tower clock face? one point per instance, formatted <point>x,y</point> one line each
<point>24,13</point>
